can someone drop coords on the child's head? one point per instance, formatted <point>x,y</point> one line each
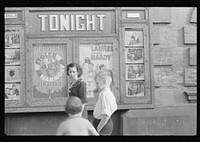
<point>78,70</point>
<point>103,79</point>
<point>73,105</point>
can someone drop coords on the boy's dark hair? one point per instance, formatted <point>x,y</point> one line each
<point>73,105</point>
<point>78,68</point>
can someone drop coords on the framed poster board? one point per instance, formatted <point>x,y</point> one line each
<point>134,55</point>
<point>14,66</point>
<point>47,82</point>
<point>137,75</point>
<point>95,55</point>
<point>12,91</point>
<point>12,73</point>
<point>12,38</point>
<point>134,72</point>
<point>134,89</point>
<point>134,37</point>
<point>12,56</point>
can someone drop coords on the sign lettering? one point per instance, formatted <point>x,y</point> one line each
<point>71,22</point>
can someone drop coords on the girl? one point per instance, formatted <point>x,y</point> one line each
<point>77,86</point>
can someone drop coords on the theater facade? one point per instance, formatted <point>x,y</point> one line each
<point>151,52</point>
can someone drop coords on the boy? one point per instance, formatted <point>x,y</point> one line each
<point>106,103</point>
<point>75,124</point>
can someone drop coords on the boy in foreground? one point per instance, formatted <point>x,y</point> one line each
<point>75,124</point>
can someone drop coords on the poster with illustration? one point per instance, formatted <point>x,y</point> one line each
<point>93,58</point>
<point>12,38</point>
<point>12,73</point>
<point>134,89</point>
<point>49,76</point>
<point>133,37</point>
<point>12,91</point>
<point>134,72</point>
<point>12,56</point>
<point>133,55</point>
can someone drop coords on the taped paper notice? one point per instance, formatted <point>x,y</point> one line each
<point>133,15</point>
<point>10,15</point>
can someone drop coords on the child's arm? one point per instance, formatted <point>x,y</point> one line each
<point>96,93</point>
<point>103,122</point>
<point>92,130</point>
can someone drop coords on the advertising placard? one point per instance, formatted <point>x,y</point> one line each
<point>133,38</point>
<point>133,55</point>
<point>93,58</point>
<point>12,91</point>
<point>12,56</point>
<point>134,72</point>
<point>12,38</point>
<point>134,89</point>
<point>12,73</point>
<point>49,76</point>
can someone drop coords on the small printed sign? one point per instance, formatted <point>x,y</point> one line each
<point>12,73</point>
<point>10,15</point>
<point>134,72</point>
<point>12,38</point>
<point>134,55</point>
<point>133,37</point>
<point>12,91</point>
<point>134,89</point>
<point>12,56</point>
<point>133,15</point>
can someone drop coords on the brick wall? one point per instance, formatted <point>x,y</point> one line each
<point>174,49</point>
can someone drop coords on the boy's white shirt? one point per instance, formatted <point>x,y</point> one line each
<point>76,126</point>
<point>106,104</point>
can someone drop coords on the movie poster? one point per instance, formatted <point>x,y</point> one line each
<point>133,55</point>
<point>12,38</point>
<point>49,76</point>
<point>93,58</point>
<point>12,91</point>
<point>133,38</point>
<point>12,73</point>
<point>134,72</point>
<point>134,89</point>
<point>12,56</point>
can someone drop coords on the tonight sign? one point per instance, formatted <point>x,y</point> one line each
<point>72,22</point>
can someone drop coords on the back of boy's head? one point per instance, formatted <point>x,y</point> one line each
<point>73,105</point>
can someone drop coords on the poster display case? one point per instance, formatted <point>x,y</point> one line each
<point>37,52</point>
<point>46,76</point>
<point>137,89</point>
<point>95,55</point>
<point>14,66</point>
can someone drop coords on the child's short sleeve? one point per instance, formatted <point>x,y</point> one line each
<point>108,104</point>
